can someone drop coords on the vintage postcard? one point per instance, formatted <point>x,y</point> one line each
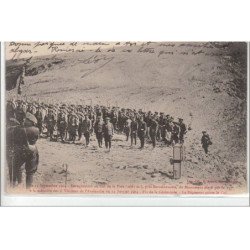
<point>126,118</point>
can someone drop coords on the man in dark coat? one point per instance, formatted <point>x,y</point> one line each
<point>39,117</point>
<point>147,119</point>
<point>73,124</point>
<point>183,130</point>
<point>98,128</point>
<point>142,130</point>
<point>50,121</point>
<point>62,126</point>
<point>21,149</point>
<point>10,110</point>
<point>20,112</point>
<point>127,128</point>
<point>160,132</point>
<point>153,130</point>
<point>114,118</point>
<point>108,131</point>
<point>86,129</point>
<point>205,141</point>
<point>175,133</point>
<point>81,118</point>
<point>134,128</point>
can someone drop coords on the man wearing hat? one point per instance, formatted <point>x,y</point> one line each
<point>108,131</point>
<point>148,120</point>
<point>175,133</point>
<point>122,118</point>
<point>50,121</point>
<point>114,118</point>
<point>98,128</point>
<point>133,129</point>
<point>205,141</point>
<point>160,128</point>
<point>39,117</point>
<point>20,112</point>
<point>183,130</point>
<point>92,117</point>
<point>73,123</point>
<point>62,125</point>
<point>153,130</point>
<point>21,148</point>
<point>164,124</point>
<point>10,110</point>
<point>169,130</point>
<point>86,129</point>
<point>81,118</point>
<point>142,128</point>
<point>127,127</point>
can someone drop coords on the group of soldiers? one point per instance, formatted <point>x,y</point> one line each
<point>72,122</point>
<point>27,121</point>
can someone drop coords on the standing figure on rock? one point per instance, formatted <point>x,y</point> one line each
<point>205,141</point>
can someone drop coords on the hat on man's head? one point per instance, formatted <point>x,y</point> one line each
<point>31,118</point>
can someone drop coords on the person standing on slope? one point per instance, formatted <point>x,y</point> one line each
<point>205,141</point>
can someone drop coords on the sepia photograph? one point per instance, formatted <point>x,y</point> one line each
<point>126,118</point>
<point>124,124</point>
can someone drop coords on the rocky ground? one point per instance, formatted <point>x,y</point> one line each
<point>126,165</point>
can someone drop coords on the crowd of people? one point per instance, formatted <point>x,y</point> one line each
<point>28,121</point>
<point>73,122</point>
